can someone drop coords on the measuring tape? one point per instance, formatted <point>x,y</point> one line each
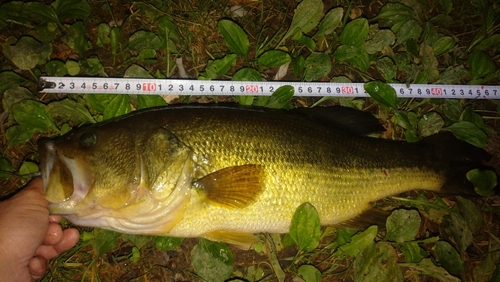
<point>146,86</point>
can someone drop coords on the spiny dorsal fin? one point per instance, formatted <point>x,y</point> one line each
<point>234,187</point>
<point>239,239</point>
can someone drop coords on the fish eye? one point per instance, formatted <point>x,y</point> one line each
<point>88,139</point>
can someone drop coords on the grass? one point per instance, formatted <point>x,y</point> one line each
<point>407,41</point>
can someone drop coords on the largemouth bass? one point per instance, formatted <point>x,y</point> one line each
<point>225,173</point>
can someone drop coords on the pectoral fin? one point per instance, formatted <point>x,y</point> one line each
<point>239,239</point>
<point>234,187</point>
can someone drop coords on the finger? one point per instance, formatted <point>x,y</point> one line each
<point>54,234</point>
<point>54,218</point>
<point>69,239</point>
<point>38,267</point>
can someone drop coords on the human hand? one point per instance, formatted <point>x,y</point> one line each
<point>29,236</point>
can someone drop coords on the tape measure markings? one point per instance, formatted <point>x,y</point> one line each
<point>144,86</point>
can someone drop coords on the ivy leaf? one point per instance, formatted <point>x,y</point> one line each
<point>213,261</point>
<point>28,52</point>
<point>280,99</point>
<point>360,241</point>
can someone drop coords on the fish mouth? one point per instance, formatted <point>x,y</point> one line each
<point>66,181</point>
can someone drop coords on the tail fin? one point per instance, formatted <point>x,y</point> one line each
<point>458,157</point>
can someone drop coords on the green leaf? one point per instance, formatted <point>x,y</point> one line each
<point>34,115</point>
<point>430,34</point>
<point>402,225</point>
<point>247,74</point>
<point>5,168</point>
<point>480,64</point>
<point>449,258</point>
<point>28,52</point>
<point>10,79</point>
<point>136,71</point>
<point>387,68</point>
<point>330,22</point>
<point>378,262</point>
<point>75,38</point>
<point>490,42</point>
<point>235,37</point>
<point>427,267</point>
<point>219,67</point>
<point>103,31</point>
<point>15,95</point>
<point>56,68</point>
<point>306,17</point>
<point>19,134</point>
<point>165,243</point>
<point>309,273</point>
<point>74,9</point>
<point>274,58</point>
<point>430,124</point>
<point>213,261</point>
<point>142,39</point>
<point>41,11</point>
<point>447,5</point>
<point>392,13</point>
<point>382,93</point>
<point>484,181</point>
<point>138,241</point>
<point>167,29</point>
<point>484,271</point>
<point>468,132</point>
<point>98,102</point>
<point>280,99</point>
<point>27,168</point>
<point>72,67</point>
<point>362,61</point>
<point>408,30</point>
<point>471,213</point>
<point>360,241</point>
<point>149,101</point>
<point>459,230</point>
<point>103,241</point>
<point>412,252</point>
<point>305,228</point>
<point>379,41</point>
<point>443,45</point>
<point>70,110</point>
<point>298,64</point>
<point>118,106</point>
<point>346,52</point>
<point>355,32</point>
<point>317,65</point>
<point>92,66</point>
<point>452,75</point>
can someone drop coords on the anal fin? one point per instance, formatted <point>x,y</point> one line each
<point>233,187</point>
<point>241,240</point>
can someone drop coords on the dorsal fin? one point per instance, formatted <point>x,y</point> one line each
<point>343,118</point>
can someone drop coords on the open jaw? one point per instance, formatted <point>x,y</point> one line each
<point>66,181</point>
<point>143,215</point>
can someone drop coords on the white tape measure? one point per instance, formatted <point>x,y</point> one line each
<point>145,86</point>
